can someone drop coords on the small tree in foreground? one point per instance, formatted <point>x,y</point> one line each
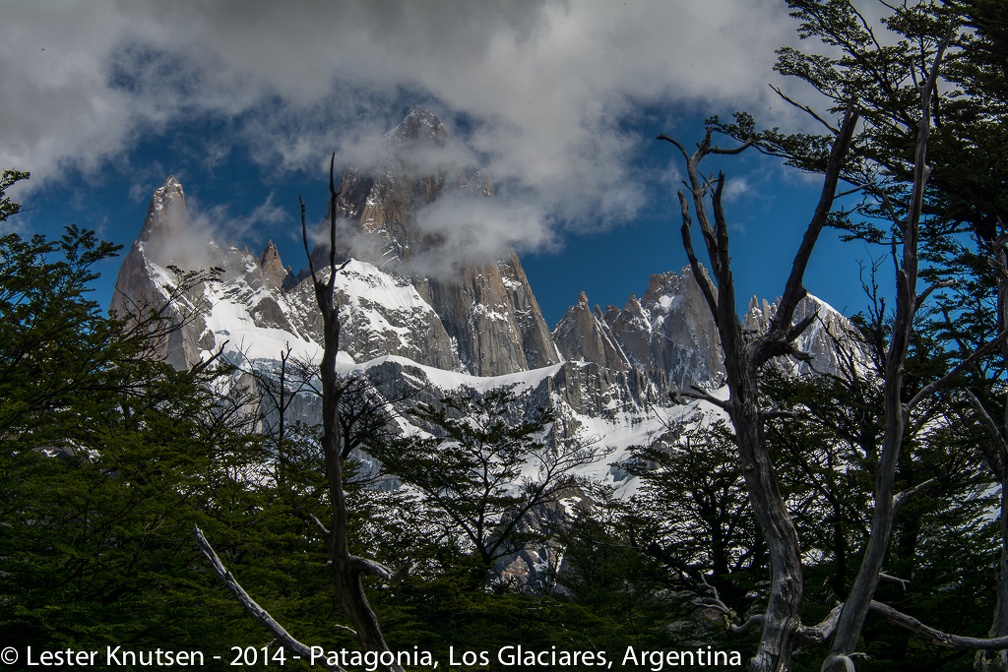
<point>107,458</point>
<point>483,474</point>
<point>691,513</point>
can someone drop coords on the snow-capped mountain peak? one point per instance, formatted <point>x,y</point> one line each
<point>475,324</point>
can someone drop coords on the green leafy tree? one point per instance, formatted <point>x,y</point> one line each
<point>8,179</point>
<point>624,587</point>
<point>691,512</point>
<point>107,458</point>
<point>935,185</point>
<point>482,473</point>
<point>970,197</point>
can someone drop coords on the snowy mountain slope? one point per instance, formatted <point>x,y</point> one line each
<point>830,341</point>
<point>418,335</point>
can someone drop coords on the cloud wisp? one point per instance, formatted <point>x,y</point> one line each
<point>543,94</point>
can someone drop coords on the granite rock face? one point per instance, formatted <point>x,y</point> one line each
<point>273,271</point>
<point>583,334</point>
<point>670,331</point>
<point>830,344</point>
<point>473,323</point>
<point>383,315</point>
<point>477,317</point>
<point>668,336</point>
<point>143,286</point>
<point>487,307</point>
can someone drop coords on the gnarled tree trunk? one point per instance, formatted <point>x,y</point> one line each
<point>744,354</point>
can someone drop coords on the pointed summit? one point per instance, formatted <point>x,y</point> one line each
<point>273,269</point>
<point>420,126</point>
<point>269,254</point>
<point>669,333</point>
<point>583,335</point>
<point>166,214</point>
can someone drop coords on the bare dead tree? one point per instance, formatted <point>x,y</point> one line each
<point>293,645</point>
<point>366,415</point>
<point>896,411</point>
<point>278,389</point>
<point>744,354</point>
<point>994,449</point>
<point>346,570</point>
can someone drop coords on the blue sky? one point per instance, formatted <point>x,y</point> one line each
<point>560,102</point>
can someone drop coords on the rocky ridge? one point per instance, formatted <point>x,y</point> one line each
<point>418,335</point>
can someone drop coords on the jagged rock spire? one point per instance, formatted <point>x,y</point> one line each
<point>582,335</point>
<point>668,334</point>
<point>273,270</point>
<point>166,214</point>
<point>420,125</point>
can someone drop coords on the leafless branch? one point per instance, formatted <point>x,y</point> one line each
<point>713,601</point>
<point>733,150</point>
<point>319,524</point>
<point>677,144</point>
<point>904,495</point>
<point>864,24</point>
<point>933,635</point>
<point>697,393</point>
<point>794,289</point>
<point>849,192</point>
<point>817,634</point>
<point>848,664</point>
<point>372,567</point>
<point>251,606</point>
<point>798,328</point>
<point>749,624</point>
<point>805,108</point>
<point>894,579</point>
<point>921,170</point>
<point>931,289</point>
<point>304,239</point>
<point>702,280</point>
<point>988,422</point>
<point>780,414</point>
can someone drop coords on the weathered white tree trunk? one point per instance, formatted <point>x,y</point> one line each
<point>996,456</point>
<point>855,609</point>
<point>744,354</point>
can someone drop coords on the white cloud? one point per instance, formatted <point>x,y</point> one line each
<point>545,92</point>
<point>736,189</point>
<point>219,223</point>
<point>268,212</point>
<point>473,227</point>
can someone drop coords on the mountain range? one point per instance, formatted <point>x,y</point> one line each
<point>418,332</point>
